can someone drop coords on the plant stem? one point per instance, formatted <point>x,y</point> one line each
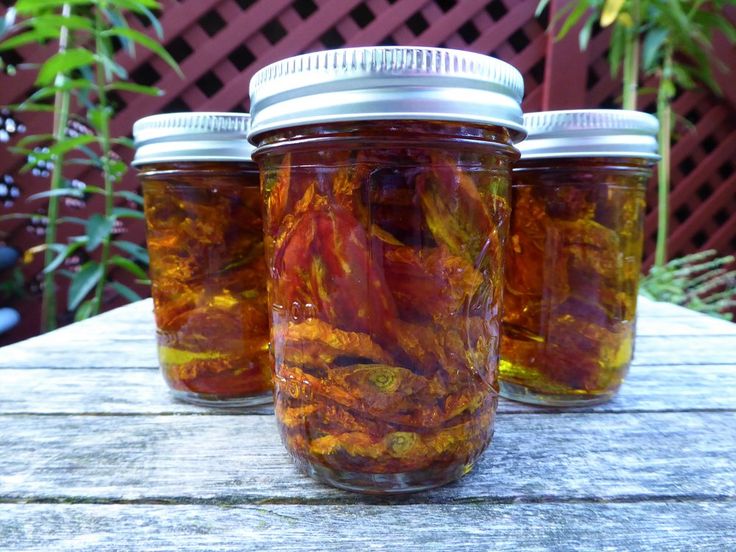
<point>62,102</point>
<point>103,134</point>
<point>664,114</point>
<point>632,48</point>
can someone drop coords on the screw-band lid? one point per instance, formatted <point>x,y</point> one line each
<point>386,83</point>
<point>590,133</point>
<point>192,137</point>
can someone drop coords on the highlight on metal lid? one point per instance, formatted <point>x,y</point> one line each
<point>386,83</point>
<point>590,133</point>
<point>192,136</point>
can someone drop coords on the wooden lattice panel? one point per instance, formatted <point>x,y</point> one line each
<point>220,44</point>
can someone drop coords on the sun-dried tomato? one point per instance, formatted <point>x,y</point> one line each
<point>385,287</point>
<point>208,272</point>
<point>572,268</point>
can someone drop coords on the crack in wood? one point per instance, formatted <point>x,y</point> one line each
<point>357,499</point>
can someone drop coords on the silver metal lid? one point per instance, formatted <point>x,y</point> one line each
<point>192,137</point>
<point>590,133</point>
<point>386,83</point>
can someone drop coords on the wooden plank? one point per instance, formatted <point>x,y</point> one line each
<point>490,38</point>
<point>235,90</point>
<point>721,196</point>
<point>647,308</point>
<point>142,391</point>
<point>565,72</point>
<point>175,18</point>
<point>74,350</point>
<point>125,338</point>
<point>694,326</point>
<point>727,53</point>
<point>240,459</point>
<point>648,526</point>
<point>447,24</point>
<point>693,350</point>
<point>683,190</point>
<point>722,238</point>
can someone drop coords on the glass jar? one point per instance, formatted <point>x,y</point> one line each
<point>574,255</point>
<point>386,211</point>
<point>208,271</point>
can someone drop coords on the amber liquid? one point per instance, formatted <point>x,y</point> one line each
<point>572,269</point>
<point>208,272</point>
<point>385,259</point>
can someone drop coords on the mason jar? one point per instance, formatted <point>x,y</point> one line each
<point>207,265</point>
<point>574,255</point>
<point>385,174</point>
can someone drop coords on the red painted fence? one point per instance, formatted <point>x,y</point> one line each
<point>221,43</point>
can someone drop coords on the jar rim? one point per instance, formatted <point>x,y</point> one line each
<point>590,133</point>
<point>386,83</point>
<point>192,136</point>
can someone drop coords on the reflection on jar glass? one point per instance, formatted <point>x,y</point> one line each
<point>574,255</point>
<point>208,271</point>
<point>384,241</point>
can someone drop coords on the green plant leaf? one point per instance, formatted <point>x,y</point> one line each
<point>30,107</point>
<point>98,228</point>
<point>130,196</point>
<point>63,63</point>
<point>616,51</point>
<point>611,10</point>
<point>17,216</point>
<point>95,159</point>
<point>651,48</point>
<point>85,310</point>
<point>56,22</point>
<point>69,144</point>
<point>125,292</point>
<point>577,13</point>
<point>138,252</point>
<point>153,20</point>
<point>59,192</point>
<point>35,36</point>
<point>99,116</point>
<point>66,85</point>
<point>7,21</point>
<point>84,163</point>
<point>83,282</point>
<point>116,19</point>
<point>136,5</point>
<point>32,6</point>
<point>147,42</point>
<point>712,21</point>
<point>124,141</point>
<point>72,220</point>
<point>136,88</point>
<point>540,7</point>
<point>124,212</point>
<point>129,266</point>
<point>63,255</point>
<point>34,139</point>
<point>585,32</point>
<point>114,68</point>
<point>117,168</point>
<point>682,77</point>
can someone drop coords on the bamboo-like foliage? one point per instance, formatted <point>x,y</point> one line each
<point>77,82</point>
<point>673,41</point>
<point>700,281</point>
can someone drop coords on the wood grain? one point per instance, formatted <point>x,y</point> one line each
<point>240,460</point>
<point>97,456</point>
<point>125,338</point>
<point>647,526</point>
<point>142,391</point>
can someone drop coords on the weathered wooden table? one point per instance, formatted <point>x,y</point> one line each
<point>94,455</point>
